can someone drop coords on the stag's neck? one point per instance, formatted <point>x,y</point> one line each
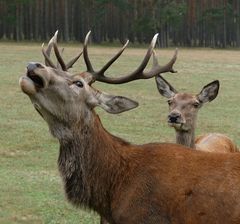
<point>88,162</point>
<point>186,138</point>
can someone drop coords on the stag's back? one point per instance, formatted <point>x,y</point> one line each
<point>188,186</point>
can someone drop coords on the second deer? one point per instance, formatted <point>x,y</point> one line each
<point>183,110</point>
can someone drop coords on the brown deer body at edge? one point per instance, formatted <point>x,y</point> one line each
<point>183,109</point>
<point>220,141</point>
<point>127,183</point>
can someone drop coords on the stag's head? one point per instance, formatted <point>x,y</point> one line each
<point>183,107</point>
<point>64,98</point>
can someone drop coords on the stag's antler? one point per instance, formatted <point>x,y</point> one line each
<point>139,73</point>
<point>166,68</point>
<point>46,54</point>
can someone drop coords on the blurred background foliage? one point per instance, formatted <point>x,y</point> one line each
<point>200,23</point>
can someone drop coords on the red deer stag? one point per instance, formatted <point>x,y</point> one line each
<point>123,182</point>
<point>91,76</point>
<point>183,109</point>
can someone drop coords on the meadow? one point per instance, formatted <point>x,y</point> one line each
<point>31,190</point>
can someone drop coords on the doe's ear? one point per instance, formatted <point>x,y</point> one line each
<point>164,87</point>
<point>209,92</point>
<point>115,104</point>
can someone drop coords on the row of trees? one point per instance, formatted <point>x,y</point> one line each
<point>214,23</point>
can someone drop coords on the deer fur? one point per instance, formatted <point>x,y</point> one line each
<point>123,182</point>
<point>183,109</point>
<point>220,141</point>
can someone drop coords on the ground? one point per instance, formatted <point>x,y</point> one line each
<point>31,189</point>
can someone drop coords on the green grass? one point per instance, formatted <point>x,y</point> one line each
<point>31,189</point>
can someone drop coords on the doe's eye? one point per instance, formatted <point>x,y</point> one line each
<point>196,104</point>
<point>79,83</point>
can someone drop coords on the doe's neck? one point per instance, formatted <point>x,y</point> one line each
<point>186,138</point>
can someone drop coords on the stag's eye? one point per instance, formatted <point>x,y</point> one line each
<point>39,65</point>
<point>79,84</point>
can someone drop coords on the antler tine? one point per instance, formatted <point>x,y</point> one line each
<point>50,43</point>
<point>155,60</point>
<point>73,60</point>
<point>162,69</point>
<point>47,53</point>
<point>113,59</point>
<point>58,65</point>
<point>48,61</point>
<point>60,61</point>
<point>148,55</point>
<point>57,53</point>
<point>59,57</point>
<point>169,66</point>
<point>85,54</point>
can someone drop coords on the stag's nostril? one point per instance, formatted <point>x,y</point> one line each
<point>31,66</point>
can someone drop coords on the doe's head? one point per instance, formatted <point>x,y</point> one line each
<point>183,107</point>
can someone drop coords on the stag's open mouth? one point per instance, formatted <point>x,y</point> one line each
<point>37,80</point>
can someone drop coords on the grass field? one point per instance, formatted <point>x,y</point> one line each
<point>30,187</point>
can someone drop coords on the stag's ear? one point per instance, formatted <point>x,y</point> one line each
<point>164,88</point>
<point>115,104</point>
<point>209,92</point>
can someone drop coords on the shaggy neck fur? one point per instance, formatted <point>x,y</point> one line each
<point>88,162</point>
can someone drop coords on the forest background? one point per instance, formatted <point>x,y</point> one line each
<point>198,23</point>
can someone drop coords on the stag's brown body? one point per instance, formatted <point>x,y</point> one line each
<point>152,183</point>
